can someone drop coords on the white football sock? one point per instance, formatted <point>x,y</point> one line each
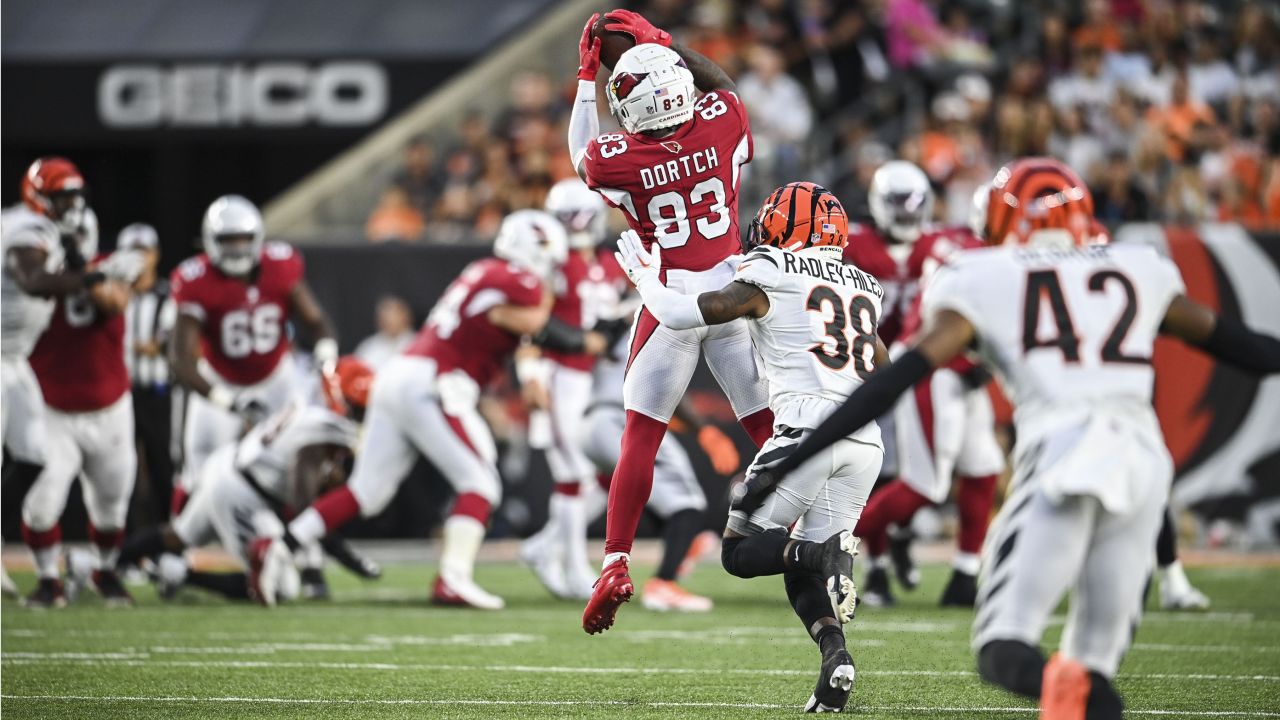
<point>595,500</point>
<point>106,556</point>
<point>308,527</point>
<point>967,563</point>
<point>573,531</point>
<point>462,538</point>
<point>1173,579</point>
<point>46,560</point>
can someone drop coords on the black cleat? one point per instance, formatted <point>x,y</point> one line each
<point>904,566</point>
<point>962,590</point>
<point>837,572</point>
<point>113,592</point>
<point>834,684</point>
<point>48,594</point>
<point>314,586</point>
<point>875,589</point>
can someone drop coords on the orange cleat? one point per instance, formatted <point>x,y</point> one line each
<point>1065,691</point>
<point>612,589</point>
<point>666,596</point>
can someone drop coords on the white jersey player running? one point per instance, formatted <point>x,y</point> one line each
<point>812,318</point>
<point>1070,327</point>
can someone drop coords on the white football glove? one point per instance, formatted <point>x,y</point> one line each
<point>123,265</point>
<point>642,265</point>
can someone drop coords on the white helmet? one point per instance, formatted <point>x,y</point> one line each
<point>901,200</point>
<point>978,210</point>
<point>533,240</point>
<point>651,88</point>
<point>580,209</point>
<point>232,215</point>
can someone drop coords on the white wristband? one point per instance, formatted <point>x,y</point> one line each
<point>530,369</point>
<point>222,397</point>
<point>325,351</point>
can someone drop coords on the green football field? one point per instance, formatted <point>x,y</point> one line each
<point>379,651</point>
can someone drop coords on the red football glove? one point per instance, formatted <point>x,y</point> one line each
<point>589,52</point>
<point>634,24</point>
<point>720,449</point>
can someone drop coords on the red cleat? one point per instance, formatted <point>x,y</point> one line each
<point>612,589</point>
<point>1065,691</point>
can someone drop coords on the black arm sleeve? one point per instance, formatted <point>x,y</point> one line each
<point>876,396</point>
<point>560,336</point>
<point>1235,344</point>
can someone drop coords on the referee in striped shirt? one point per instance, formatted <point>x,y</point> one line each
<point>148,322</point>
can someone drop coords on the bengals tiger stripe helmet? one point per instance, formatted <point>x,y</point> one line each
<point>346,388</point>
<point>54,187</point>
<point>800,215</point>
<point>1038,199</point>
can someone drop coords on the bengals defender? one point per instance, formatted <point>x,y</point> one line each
<point>945,427</point>
<point>425,402</point>
<point>1069,324</point>
<point>812,318</point>
<point>674,170</point>
<point>79,416</point>
<point>230,346</point>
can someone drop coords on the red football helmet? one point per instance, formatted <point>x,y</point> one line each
<point>800,215</point>
<point>54,187</point>
<point>1039,196</point>
<point>347,387</point>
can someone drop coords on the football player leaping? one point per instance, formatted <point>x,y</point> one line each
<point>674,171</point>
<point>1070,326</point>
<point>813,319</point>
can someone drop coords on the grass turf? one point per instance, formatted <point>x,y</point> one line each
<point>379,651</point>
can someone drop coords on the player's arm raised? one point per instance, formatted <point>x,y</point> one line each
<point>584,122</point>
<point>707,76</point>
<point>313,320</point>
<point>1223,337</point>
<point>677,310</point>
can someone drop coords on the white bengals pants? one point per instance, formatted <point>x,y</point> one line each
<point>22,415</point>
<point>570,392</point>
<point>662,360</point>
<point>942,428</point>
<point>99,444</point>
<point>1095,544</point>
<point>413,410</point>
<point>208,427</point>
<point>227,509</point>
<point>675,485</point>
<point>821,498</point>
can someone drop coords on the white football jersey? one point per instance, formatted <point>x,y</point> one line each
<point>269,450</point>
<point>1065,328</point>
<point>23,317</point>
<point>818,340</point>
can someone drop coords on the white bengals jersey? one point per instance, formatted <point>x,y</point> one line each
<point>23,317</point>
<point>818,340</point>
<point>269,450</point>
<point>1069,330</point>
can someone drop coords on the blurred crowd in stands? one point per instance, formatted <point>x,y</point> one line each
<point>1169,108</point>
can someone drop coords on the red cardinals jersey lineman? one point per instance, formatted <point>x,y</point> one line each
<point>244,336</point>
<point>931,251</point>
<point>873,253</point>
<point>458,334</point>
<point>79,360</point>
<point>680,191</point>
<point>585,292</point>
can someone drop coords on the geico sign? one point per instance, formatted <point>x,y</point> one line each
<point>281,94</point>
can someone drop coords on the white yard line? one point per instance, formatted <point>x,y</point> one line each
<point>588,703</point>
<point>32,658</point>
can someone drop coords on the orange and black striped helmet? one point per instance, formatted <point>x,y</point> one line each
<point>1037,194</point>
<point>800,215</point>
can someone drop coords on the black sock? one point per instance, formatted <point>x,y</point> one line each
<point>807,555</point>
<point>231,585</point>
<point>1104,702</point>
<point>677,536</point>
<point>1013,665</point>
<point>830,638</point>
<point>146,543</point>
<point>1167,541</point>
<point>755,555</point>
<point>808,596</point>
